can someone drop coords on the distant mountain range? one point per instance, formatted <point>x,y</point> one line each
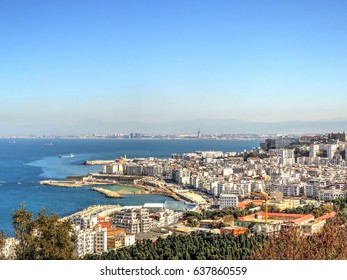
<point>227,126</point>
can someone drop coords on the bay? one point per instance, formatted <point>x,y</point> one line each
<point>27,161</point>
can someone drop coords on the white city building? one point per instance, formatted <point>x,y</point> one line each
<point>228,200</point>
<point>100,239</point>
<point>314,149</point>
<point>286,156</point>
<point>116,168</point>
<point>84,243</point>
<point>129,240</point>
<point>328,195</point>
<point>331,149</point>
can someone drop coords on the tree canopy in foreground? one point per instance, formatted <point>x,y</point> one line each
<point>195,246</point>
<point>290,244</point>
<point>44,238</point>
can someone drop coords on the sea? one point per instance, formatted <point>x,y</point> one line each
<point>24,162</point>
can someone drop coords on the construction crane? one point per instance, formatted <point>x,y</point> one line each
<point>266,197</point>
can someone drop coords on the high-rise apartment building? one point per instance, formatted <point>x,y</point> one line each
<point>133,220</point>
<point>314,149</point>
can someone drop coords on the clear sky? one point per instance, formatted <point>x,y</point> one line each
<point>64,61</point>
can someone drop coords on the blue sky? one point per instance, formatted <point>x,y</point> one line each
<point>67,61</point>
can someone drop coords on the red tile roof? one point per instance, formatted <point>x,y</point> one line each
<point>104,224</point>
<point>114,231</point>
<point>297,218</point>
<point>326,216</point>
<point>303,219</point>
<point>236,231</point>
<point>243,204</point>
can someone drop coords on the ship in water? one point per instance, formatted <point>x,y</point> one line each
<point>48,144</point>
<point>67,156</point>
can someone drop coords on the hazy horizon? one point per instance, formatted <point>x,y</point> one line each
<point>115,63</point>
<point>205,126</point>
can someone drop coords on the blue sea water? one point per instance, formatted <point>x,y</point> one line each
<point>27,161</point>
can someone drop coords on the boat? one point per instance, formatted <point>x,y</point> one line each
<point>12,142</point>
<point>48,144</point>
<point>66,156</point>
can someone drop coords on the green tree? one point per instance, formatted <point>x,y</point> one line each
<point>43,238</point>
<point>55,238</point>
<point>250,205</point>
<point>23,225</point>
<point>196,246</point>
<point>322,210</point>
<point>291,244</point>
<point>271,209</point>
<point>194,214</point>
<point>2,245</point>
<point>228,220</point>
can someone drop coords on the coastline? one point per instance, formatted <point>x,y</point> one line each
<point>39,163</point>
<point>144,186</point>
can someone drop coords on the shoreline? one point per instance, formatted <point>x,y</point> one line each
<point>144,187</point>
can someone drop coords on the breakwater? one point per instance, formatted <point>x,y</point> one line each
<point>107,193</point>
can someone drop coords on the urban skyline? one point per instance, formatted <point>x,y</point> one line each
<point>66,66</point>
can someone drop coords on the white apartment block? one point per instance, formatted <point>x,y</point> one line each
<point>85,242</point>
<point>133,220</point>
<point>100,239</point>
<point>284,141</point>
<point>286,190</point>
<point>311,190</point>
<point>154,170</point>
<point>314,149</point>
<point>194,182</point>
<point>129,240</point>
<point>185,180</point>
<point>134,169</point>
<point>239,192</point>
<point>214,188</point>
<point>328,195</point>
<point>166,217</point>
<point>331,149</point>
<point>247,188</point>
<point>116,168</point>
<point>181,176</point>
<point>228,200</point>
<point>84,222</point>
<point>292,190</point>
<point>286,156</point>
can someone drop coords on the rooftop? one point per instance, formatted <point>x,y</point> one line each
<point>327,216</point>
<point>277,217</point>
